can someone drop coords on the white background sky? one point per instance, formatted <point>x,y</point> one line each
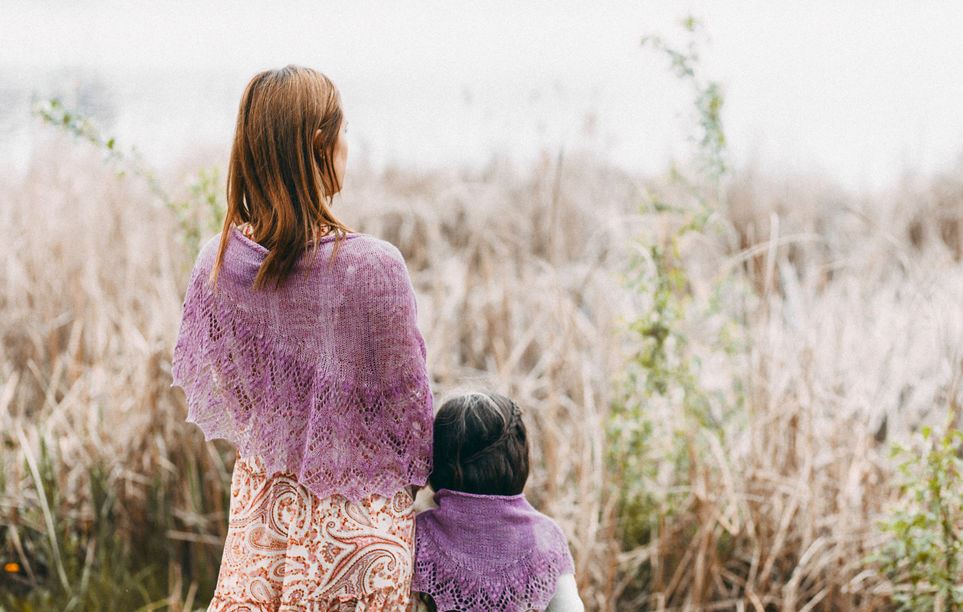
<point>859,89</point>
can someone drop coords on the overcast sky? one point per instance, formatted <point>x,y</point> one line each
<point>860,89</point>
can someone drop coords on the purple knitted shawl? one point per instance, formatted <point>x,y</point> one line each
<point>324,377</point>
<point>488,552</point>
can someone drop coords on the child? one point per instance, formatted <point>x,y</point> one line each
<point>485,547</point>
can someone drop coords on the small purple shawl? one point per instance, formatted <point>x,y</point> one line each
<point>324,377</point>
<point>488,552</point>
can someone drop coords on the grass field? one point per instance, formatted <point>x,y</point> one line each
<point>821,326</point>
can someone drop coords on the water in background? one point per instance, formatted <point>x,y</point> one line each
<point>861,92</point>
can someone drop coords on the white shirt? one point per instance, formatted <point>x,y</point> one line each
<point>566,597</point>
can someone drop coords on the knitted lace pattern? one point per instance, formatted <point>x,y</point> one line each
<point>488,552</point>
<point>324,377</point>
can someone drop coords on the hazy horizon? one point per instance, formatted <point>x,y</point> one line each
<point>860,93</point>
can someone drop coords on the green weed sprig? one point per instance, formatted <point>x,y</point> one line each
<point>924,556</point>
<point>662,365</point>
<point>197,215</point>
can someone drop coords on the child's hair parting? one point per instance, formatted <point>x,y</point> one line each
<point>480,446</point>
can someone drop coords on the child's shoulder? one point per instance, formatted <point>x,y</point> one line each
<point>551,530</point>
<point>424,500</point>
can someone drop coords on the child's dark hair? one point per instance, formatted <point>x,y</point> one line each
<point>480,446</point>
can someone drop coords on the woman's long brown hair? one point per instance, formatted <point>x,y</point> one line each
<point>279,180</point>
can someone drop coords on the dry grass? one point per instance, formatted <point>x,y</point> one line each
<point>851,340</point>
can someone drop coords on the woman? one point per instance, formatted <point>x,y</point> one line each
<point>299,345</point>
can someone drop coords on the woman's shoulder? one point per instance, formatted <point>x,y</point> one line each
<point>367,263</point>
<point>361,244</point>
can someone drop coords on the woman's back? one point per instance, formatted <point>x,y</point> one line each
<point>324,377</point>
<point>311,363</point>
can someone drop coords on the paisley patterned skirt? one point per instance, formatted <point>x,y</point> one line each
<point>288,549</point>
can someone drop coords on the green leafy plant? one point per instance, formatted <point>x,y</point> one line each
<point>710,137</point>
<point>923,557</point>
<point>662,366</point>
<point>198,214</point>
